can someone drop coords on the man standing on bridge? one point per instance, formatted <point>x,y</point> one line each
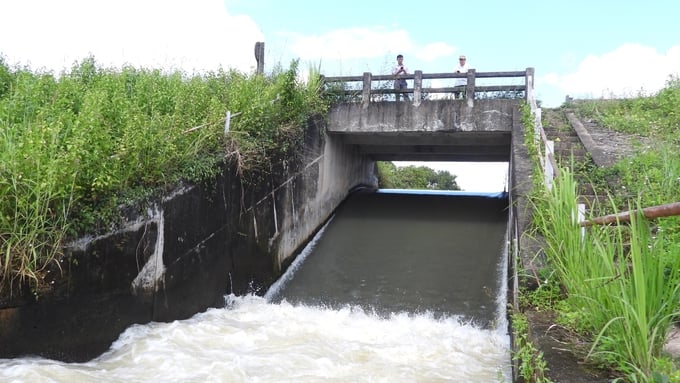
<point>400,70</point>
<point>462,68</point>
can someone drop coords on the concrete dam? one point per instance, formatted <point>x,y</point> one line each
<point>204,243</point>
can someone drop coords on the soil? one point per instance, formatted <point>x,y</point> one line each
<point>563,352</point>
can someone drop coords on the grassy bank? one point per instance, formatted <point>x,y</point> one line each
<point>616,288</point>
<point>77,145</point>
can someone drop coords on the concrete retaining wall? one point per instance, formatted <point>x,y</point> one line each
<point>184,254</point>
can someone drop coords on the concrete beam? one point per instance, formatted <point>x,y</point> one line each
<point>447,130</point>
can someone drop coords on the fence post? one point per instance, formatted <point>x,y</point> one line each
<point>366,90</point>
<point>581,208</point>
<point>547,164</point>
<point>259,56</point>
<point>417,87</point>
<point>529,84</point>
<point>470,87</point>
<point>227,121</point>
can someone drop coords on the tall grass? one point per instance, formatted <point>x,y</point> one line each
<point>74,147</point>
<point>619,282</point>
<point>640,300</point>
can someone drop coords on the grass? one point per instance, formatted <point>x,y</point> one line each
<point>75,146</point>
<point>619,284</point>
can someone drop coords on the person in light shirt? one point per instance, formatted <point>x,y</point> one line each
<point>462,68</point>
<point>397,71</point>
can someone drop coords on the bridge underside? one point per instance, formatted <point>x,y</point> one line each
<point>433,146</point>
<point>433,130</point>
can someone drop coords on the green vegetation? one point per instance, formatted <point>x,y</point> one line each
<point>531,365</point>
<point>76,146</point>
<point>619,284</point>
<point>653,175</point>
<point>414,177</point>
<point>616,288</point>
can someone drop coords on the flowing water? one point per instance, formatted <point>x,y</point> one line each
<point>395,288</point>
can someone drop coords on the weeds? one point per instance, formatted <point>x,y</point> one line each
<point>531,365</point>
<point>619,285</point>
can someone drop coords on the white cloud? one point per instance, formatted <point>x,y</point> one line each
<point>351,43</point>
<point>192,35</point>
<point>362,48</point>
<point>433,51</point>
<point>624,72</point>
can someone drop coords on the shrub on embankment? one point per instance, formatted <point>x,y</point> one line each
<point>617,288</point>
<point>74,147</point>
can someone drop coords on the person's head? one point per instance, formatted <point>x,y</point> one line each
<point>462,59</point>
<point>400,58</point>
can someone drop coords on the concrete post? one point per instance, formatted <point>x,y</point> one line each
<point>259,56</point>
<point>529,84</point>
<point>470,88</point>
<point>547,164</point>
<point>366,90</point>
<point>417,87</point>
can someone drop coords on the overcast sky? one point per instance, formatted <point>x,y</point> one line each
<point>586,49</point>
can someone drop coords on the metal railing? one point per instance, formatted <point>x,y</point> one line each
<point>368,91</point>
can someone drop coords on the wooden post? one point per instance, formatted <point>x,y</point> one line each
<point>259,56</point>
<point>417,87</point>
<point>366,90</point>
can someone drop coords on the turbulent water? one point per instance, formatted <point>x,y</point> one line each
<point>285,337</point>
<point>256,341</point>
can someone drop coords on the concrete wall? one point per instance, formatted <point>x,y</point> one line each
<point>434,130</point>
<point>183,254</point>
<point>429,116</point>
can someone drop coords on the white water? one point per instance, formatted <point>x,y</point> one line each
<point>255,341</point>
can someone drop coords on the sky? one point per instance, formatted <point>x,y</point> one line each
<point>584,49</point>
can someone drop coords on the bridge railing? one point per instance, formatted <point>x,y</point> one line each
<point>379,87</point>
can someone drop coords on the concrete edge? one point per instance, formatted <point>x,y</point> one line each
<point>595,151</point>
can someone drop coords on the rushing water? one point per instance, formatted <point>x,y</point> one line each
<point>391,290</point>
